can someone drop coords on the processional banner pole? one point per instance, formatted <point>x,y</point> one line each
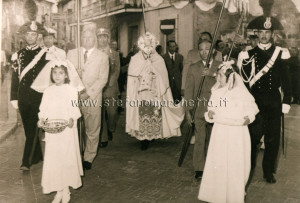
<point>190,131</point>
<point>78,34</point>
<point>81,126</point>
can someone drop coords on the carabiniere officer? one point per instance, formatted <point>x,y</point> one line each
<point>265,69</point>
<point>27,64</point>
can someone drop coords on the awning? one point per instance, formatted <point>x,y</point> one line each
<point>123,10</point>
<point>233,6</point>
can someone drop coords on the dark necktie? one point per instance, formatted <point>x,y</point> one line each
<point>172,58</point>
<point>85,56</point>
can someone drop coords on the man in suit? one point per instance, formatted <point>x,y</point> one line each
<point>111,90</point>
<point>27,64</point>
<point>53,52</point>
<point>93,71</point>
<point>174,64</point>
<point>193,57</point>
<point>265,69</point>
<point>202,128</point>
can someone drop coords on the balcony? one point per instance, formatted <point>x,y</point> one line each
<point>104,7</point>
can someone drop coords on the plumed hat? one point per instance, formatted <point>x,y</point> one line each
<point>266,21</point>
<point>30,12</point>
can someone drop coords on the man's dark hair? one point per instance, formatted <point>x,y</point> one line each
<point>218,41</point>
<point>202,41</point>
<point>206,33</point>
<point>170,41</point>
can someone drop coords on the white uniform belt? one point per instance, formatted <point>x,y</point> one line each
<point>266,68</point>
<point>32,63</point>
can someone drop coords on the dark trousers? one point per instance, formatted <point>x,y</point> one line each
<point>269,126</point>
<point>176,92</point>
<point>29,115</point>
<point>109,117</point>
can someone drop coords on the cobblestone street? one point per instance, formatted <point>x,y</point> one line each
<point>124,173</point>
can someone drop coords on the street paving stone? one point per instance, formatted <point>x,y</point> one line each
<point>123,173</point>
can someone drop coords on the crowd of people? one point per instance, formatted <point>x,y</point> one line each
<point>226,135</point>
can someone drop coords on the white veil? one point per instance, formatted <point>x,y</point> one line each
<point>43,80</point>
<point>236,89</point>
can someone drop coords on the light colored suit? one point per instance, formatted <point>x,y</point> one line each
<point>94,75</point>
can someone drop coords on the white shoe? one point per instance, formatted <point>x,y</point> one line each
<point>66,196</point>
<point>262,146</point>
<point>192,140</point>
<point>58,197</point>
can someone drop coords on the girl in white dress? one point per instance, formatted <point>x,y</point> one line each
<point>231,109</point>
<point>62,161</point>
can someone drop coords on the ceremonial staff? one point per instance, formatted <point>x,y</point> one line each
<point>80,124</point>
<point>190,131</point>
<point>143,8</point>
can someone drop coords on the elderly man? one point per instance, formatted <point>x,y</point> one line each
<point>202,128</point>
<point>150,110</point>
<point>265,69</point>
<point>193,57</point>
<point>111,90</point>
<point>27,64</point>
<point>94,70</point>
<point>53,52</point>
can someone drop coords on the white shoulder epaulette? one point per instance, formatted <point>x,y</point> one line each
<point>285,53</point>
<point>241,57</point>
<point>14,56</point>
<point>244,55</point>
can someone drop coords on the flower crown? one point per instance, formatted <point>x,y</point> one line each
<point>147,42</point>
<point>226,65</point>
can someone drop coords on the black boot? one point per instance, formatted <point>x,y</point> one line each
<point>110,136</point>
<point>144,144</point>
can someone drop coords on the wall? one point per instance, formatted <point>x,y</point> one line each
<point>125,21</point>
<point>183,27</point>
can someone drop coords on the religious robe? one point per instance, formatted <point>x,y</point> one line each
<point>150,110</point>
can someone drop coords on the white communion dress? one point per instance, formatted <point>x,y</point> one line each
<point>62,162</point>
<point>227,166</point>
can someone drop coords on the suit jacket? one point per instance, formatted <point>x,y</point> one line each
<point>192,84</point>
<point>193,57</point>
<point>175,73</point>
<point>94,73</point>
<point>20,90</point>
<point>266,89</point>
<point>112,88</point>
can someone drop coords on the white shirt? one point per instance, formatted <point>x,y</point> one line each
<point>32,47</point>
<point>264,46</point>
<point>210,63</point>
<point>88,51</point>
<point>172,55</point>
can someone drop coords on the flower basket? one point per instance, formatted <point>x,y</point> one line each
<point>55,126</point>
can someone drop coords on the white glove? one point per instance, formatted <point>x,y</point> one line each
<point>14,103</point>
<point>285,108</point>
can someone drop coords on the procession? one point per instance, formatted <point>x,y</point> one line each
<point>208,95</point>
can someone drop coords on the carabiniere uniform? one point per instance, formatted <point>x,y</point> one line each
<point>271,62</point>
<point>28,99</point>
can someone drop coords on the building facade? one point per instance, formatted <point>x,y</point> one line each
<point>13,18</point>
<point>126,21</point>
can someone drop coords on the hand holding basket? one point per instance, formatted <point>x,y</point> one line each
<point>53,126</point>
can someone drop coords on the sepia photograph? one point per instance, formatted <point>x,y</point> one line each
<point>149,101</point>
